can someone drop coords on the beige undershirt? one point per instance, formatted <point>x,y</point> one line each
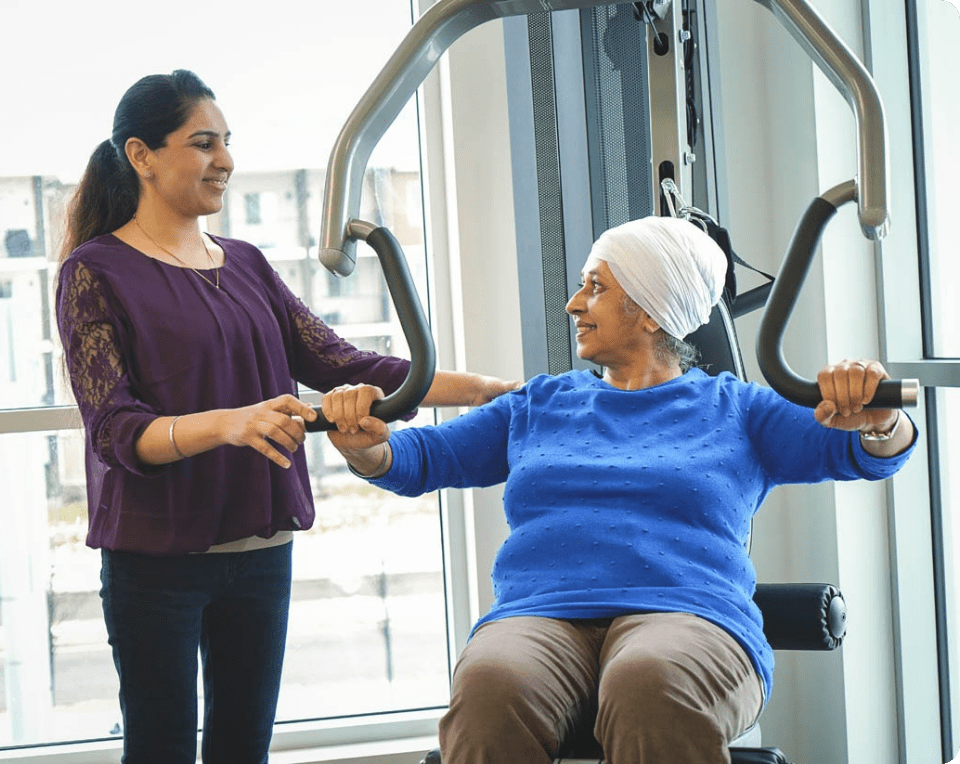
<point>251,543</point>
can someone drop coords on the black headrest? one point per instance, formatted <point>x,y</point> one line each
<point>717,342</point>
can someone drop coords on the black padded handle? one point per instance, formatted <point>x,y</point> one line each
<point>891,394</point>
<point>423,356</point>
<point>802,616</point>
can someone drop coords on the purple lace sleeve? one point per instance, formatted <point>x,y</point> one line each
<point>95,363</point>
<point>324,360</point>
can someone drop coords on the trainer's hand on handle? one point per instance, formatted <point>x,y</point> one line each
<point>264,426</point>
<point>846,388</point>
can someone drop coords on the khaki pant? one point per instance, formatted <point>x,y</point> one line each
<point>667,688</point>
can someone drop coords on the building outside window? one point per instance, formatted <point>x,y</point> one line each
<point>251,204</point>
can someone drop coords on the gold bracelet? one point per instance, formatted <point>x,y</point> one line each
<point>882,437</point>
<point>173,443</point>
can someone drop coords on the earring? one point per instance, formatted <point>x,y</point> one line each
<point>148,175</point>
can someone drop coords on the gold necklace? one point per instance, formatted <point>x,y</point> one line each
<point>205,249</point>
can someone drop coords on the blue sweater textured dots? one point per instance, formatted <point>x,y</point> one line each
<point>631,501</point>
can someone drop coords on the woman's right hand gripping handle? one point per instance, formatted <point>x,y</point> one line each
<point>359,437</point>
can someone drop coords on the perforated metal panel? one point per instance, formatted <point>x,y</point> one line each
<point>594,117</point>
<point>618,115</point>
<point>546,142</point>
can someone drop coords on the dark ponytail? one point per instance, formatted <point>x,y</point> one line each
<point>109,191</point>
<point>105,199</point>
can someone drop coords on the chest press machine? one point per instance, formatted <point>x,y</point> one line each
<point>796,616</point>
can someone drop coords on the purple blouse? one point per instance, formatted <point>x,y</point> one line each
<point>145,339</point>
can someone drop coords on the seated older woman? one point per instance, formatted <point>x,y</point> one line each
<point>624,584</point>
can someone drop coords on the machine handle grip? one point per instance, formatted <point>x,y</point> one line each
<point>423,356</point>
<point>780,304</point>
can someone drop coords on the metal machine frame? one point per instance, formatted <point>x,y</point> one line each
<point>448,20</point>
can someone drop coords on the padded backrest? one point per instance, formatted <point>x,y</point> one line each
<point>717,342</point>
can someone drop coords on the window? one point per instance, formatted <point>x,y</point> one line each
<point>367,630</point>
<point>941,153</point>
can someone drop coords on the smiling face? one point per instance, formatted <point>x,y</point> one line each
<point>189,174</point>
<point>611,330</point>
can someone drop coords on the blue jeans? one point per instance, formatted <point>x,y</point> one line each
<point>159,611</point>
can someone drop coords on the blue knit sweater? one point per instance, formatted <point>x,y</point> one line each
<point>629,501</point>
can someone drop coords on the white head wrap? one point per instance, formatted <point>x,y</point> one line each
<point>669,267</point>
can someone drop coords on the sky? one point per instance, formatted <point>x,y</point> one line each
<point>287,74</point>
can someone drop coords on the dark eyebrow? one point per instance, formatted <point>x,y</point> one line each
<point>209,134</point>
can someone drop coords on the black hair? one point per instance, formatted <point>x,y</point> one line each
<point>109,191</point>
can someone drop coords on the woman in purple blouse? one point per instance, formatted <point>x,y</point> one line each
<point>184,351</point>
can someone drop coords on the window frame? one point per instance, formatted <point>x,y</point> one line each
<point>917,543</point>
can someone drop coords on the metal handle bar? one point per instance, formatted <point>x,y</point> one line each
<point>403,291</point>
<point>851,78</point>
<point>419,51</point>
<point>783,298</point>
<point>446,21</point>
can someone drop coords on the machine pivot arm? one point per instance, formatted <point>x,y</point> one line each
<point>851,78</point>
<point>423,356</point>
<point>783,298</point>
<point>417,54</point>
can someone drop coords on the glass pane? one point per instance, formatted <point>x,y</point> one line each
<point>941,92</point>
<point>313,62</point>
<point>938,29</point>
<point>367,622</point>
<point>948,402</point>
<point>367,629</point>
